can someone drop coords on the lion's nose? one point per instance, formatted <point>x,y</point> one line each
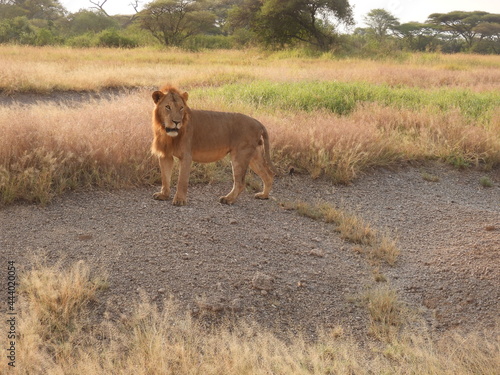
<point>176,122</point>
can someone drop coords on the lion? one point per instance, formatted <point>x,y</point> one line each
<point>205,137</point>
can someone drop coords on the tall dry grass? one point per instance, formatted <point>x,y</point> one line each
<point>44,69</point>
<point>46,149</point>
<point>325,116</point>
<point>150,341</point>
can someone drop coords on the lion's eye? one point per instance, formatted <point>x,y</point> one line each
<point>181,109</point>
<point>168,107</point>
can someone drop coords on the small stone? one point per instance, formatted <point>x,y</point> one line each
<point>317,253</point>
<point>161,290</point>
<point>262,281</point>
<point>233,221</point>
<point>236,305</point>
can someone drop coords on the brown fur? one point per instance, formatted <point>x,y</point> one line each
<point>207,136</point>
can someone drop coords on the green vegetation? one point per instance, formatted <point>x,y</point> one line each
<point>486,182</point>
<point>342,98</point>
<point>200,24</point>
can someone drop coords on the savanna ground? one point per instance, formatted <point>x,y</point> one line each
<point>378,255</point>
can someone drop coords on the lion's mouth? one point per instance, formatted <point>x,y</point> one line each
<point>173,132</point>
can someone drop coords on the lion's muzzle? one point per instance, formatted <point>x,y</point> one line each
<point>173,132</point>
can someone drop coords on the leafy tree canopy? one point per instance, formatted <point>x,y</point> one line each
<point>281,22</point>
<point>463,24</point>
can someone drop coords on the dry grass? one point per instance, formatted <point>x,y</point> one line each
<point>161,342</point>
<point>42,69</point>
<point>377,246</point>
<point>351,227</point>
<point>386,312</point>
<point>46,149</point>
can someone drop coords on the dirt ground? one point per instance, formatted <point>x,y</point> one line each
<point>257,260</point>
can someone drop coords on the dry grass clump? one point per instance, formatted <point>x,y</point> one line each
<point>62,334</point>
<point>386,312</point>
<point>377,246</point>
<point>342,147</point>
<point>55,312</point>
<point>48,149</point>
<point>351,227</point>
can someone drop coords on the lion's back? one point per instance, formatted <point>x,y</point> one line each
<point>225,126</point>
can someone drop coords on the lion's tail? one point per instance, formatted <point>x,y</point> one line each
<point>267,148</point>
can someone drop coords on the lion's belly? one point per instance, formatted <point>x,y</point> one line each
<point>209,156</point>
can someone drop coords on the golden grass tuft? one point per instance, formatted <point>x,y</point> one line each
<point>385,311</point>
<point>352,228</point>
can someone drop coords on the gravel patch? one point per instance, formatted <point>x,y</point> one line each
<point>258,261</point>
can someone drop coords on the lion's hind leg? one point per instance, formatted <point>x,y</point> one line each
<point>260,167</point>
<point>239,160</point>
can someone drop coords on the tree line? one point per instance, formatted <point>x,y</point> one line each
<point>275,24</point>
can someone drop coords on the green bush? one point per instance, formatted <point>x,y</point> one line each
<point>17,30</point>
<point>86,40</point>
<point>112,38</point>
<point>45,37</point>
<point>200,42</point>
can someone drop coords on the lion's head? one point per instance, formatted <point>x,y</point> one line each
<point>171,109</point>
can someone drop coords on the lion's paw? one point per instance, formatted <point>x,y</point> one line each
<point>179,202</point>
<point>225,200</point>
<point>261,196</point>
<point>160,196</point>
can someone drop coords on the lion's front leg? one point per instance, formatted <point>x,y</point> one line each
<point>166,165</point>
<point>182,184</point>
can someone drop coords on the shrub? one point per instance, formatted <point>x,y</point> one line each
<point>112,38</point>
<point>86,40</point>
<point>199,42</point>
<point>16,30</point>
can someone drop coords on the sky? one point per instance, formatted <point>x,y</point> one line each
<point>404,10</point>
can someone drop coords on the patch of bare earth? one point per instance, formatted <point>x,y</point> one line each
<point>257,260</point>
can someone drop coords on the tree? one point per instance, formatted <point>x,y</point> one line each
<point>280,22</point>
<point>417,36</point>
<point>490,34</point>
<point>90,21</point>
<point>379,22</point>
<point>41,9</point>
<point>460,24</point>
<point>16,30</point>
<point>99,6</point>
<point>173,21</point>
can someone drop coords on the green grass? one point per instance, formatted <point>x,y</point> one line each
<point>343,98</point>
<point>486,182</point>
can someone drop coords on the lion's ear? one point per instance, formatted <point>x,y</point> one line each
<point>157,96</point>
<point>185,96</point>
